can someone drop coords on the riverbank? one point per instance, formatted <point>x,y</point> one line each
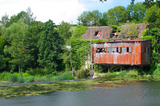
<point>101,80</point>
<point>37,89</point>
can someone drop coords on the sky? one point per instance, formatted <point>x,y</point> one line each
<point>58,10</point>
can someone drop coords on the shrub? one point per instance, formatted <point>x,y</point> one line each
<point>40,71</point>
<point>122,73</point>
<point>132,73</point>
<point>67,75</point>
<point>14,78</point>
<point>29,79</point>
<point>157,71</point>
<point>21,80</point>
<point>111,74</point>
<point>5,76</point>
<point>82,73</point>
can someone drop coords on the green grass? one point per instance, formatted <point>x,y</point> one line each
<point>16,78</point>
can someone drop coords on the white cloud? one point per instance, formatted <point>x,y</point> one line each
<point>56,10</point>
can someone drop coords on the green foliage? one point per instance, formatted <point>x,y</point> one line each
<point>157,71</point>
<point>14,78</point>
<point>79,31</point>
<point>89,18</point>
<point>5,76</point>
<point>15,35</point>
<point>129,30</point>
<point>110,74</point>
<point>116,15</point>
<point>102,68</point>
<point>32,37</point>
<point>132,73</point>
<point>80,49</point>
<point>98,40</point>
<point>50,47</point>
<point>152,14</point>
<point>104,21</point>
<point>136,12</point>
<point>82,73</point>
<point>122,73</point>
<point>29,79</point>
<point>26,16</point>
<point>2,58</point>
<point>21,80</point>
<point>64,30</point>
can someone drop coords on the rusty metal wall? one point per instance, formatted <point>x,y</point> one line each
<point>137,56</point>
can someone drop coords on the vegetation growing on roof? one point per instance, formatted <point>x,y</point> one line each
<point>129,30</point>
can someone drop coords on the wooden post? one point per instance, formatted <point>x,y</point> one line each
<point>121,69</point>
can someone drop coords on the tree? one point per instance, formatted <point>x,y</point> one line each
<point>2,59</point>
<point>32,37</point>
<point>15,35</point>
<point>79,48</point>
<point>117,15</point>
<point>89,18</point>
<point>26,16</point>
<point>79,30</point>
<point>64,30</point>
<point>104,20</point>
<point>136,12</point>
<point>4,19</point>
<point>152,17</point>
<point>50,47</point>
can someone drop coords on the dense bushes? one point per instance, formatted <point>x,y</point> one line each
<point>82,73</point>
<point>16,78</point>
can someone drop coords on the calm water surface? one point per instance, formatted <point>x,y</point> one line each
<point>135,94</point>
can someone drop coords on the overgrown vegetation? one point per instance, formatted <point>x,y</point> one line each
<point>43,51</point>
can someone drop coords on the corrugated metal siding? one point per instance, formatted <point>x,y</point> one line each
<point>137,56</point>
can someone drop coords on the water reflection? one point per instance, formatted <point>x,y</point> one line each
<point>135,94</point>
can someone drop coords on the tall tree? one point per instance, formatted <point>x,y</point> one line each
<point>117,15</point>
<point>136,12</point>
<point>50,47</point>
<point>88,18</point>
<point>79,48</point>
<point>32,37</point>
<point>15,35</point>
<point>152,17</point>
<point>104,20</point>
<point>64,30</point>
<point>2,58</point>
<point>26,16</point>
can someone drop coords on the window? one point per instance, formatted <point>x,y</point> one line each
<point>129,49</point>
<point>96,33</point>
<point>118,49</point>
<point>101,50</point>
<point>113,50</point>
<point>124,49</point>
<point>108,49</point>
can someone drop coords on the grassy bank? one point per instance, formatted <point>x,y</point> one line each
<point>6,77</point>
<point>130,75</point>
<point>110,80</point>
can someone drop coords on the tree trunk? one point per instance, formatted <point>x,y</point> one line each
<point>20,69</point>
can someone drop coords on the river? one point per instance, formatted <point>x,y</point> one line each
<point>134,94</point>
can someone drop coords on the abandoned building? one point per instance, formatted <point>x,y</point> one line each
<point>116,51</point>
